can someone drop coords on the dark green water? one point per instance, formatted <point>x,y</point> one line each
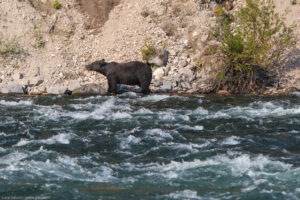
<point>150,147</point>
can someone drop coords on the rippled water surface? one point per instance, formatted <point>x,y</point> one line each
<point>150,147</point>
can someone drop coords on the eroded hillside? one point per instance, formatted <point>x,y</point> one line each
<point>49,47</point>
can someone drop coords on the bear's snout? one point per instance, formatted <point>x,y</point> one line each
<point>89,67</point>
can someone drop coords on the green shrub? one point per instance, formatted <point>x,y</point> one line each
<point>56,5</point>
<point>148,51</point>
<point>253,40</point>
<point>294,2</point>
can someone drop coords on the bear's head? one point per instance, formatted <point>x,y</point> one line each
<point>98,66</point>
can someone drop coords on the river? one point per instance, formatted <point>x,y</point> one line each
<point>150,147</point>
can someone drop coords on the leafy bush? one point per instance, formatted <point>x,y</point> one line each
<point>56,5</point>
<point>250,42</point>
<point>148,51</point>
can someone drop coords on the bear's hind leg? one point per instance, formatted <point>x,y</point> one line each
<point>145,88</point>
<point>112,85</point>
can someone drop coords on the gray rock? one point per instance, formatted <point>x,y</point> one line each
<point>17,76</point>
<point>167,70</point>
<point>167,85</point>
<point>182,63</point>
<point>191,79</point>
<point>74,84</point>
<point>172,52</point>
<point>57,89</point>
<point>191,91</point>
<point>157,83</point>
<point>12,88</point>
<point>185,72</point>
<point>186,85</point>
<point>92,89</point>
<point>0,80</point>
<point>36,81</point>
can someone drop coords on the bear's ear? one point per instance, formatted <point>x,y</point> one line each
<point>102,60</point>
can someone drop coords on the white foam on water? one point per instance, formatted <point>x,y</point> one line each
<point>257,109</point>
<point>2,150</point>
<point>121,115</point>
<point>200,111</point>
<point>126,142</point>
<point>23,142</point>
<point>15,103</point>
<point>185,194</point>
<point>166,116</point>
<point>194,128</point>
<point>62,167</point>
<point>63,138</point>
<point>12,160</point>
<point>296,93</point>
<point>233,140</point>
<point>154,98</point>
<point>158,134</point>
<point>143,111</point>
<point>238,165</point>
<point>190,147</point>
<point>128,94</point>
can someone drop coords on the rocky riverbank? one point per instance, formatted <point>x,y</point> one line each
<point>45,50</point>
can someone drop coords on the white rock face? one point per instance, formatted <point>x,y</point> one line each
<point>57,89</point>
<point>74,84</point>
<point>158,73</point>
<point>12,88</point>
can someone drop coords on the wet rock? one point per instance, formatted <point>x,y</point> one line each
<point>57,89</point>
<point>91,89</point>
<point>223,92</point>
<point>12,88</point>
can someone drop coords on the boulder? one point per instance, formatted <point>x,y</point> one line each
<point>158,73</point>
<point>74,84</point>
<point>36,81</point>
<point>185,72</point>
<point>167,85</point>
<point>57,89</point>
<point>12,88</point>
<point>91,89</point>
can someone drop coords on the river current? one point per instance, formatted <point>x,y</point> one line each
<point>150,147</point>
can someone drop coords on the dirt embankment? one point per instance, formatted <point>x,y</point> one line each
<point>97,11</point>
<point>49,47</point>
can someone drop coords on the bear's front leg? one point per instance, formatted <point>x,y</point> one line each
<point>112,84</point>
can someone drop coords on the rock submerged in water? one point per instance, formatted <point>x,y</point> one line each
<point>12,88</point>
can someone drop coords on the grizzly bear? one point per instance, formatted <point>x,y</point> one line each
<point>131,73</point>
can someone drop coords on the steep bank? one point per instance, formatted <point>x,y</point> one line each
<point>53,46</point>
